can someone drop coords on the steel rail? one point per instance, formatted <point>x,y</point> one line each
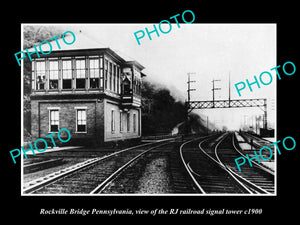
<point>187,167</point>
<point>109,179</point>
<point>193,174</point>
<point>225,168</point>
<point>50,178</point>
<point>255,163</point>
<point>243,179</point>
<point>257,138</point>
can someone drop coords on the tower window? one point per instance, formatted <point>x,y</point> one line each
<point>80,73</point>
<point>54,120</point>
<point>53,75</point>
<point>112,121</point>
<point>81,120</point>
<point>94,73</point>
<point>128,122</point>
<point>134,123</point>
<point>67,74</point>
<point>40,75</point>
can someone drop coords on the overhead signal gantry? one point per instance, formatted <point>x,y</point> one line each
<point>230,103</point>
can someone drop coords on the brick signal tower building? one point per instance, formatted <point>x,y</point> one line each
<point>88,89</point>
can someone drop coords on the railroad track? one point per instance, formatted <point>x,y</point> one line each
<point>213,171</point>
<point>256,141</point>
<point>209,162</point>
<point>209,176</point>
<point>257,178</point>
<point>91,176</point>
<point>157,172</point>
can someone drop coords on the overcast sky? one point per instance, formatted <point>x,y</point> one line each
<point>211,51</point>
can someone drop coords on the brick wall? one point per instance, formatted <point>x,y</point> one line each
<point>99,127</point>
<point>67,119</point>
<point>34,119</point>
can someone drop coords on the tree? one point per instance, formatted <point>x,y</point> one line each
<point>160,112</point>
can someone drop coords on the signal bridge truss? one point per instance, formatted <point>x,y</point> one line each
<point>238,103</point>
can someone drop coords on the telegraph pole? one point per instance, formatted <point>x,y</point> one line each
<point>229,91</point>
<point>188,100</point>
<point>265,114</point>
<point>213,90</point>
<point>189,87</point>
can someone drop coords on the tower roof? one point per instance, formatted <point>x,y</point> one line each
<point>83,42</point>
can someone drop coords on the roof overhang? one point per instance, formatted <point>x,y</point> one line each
<point>135,63</point>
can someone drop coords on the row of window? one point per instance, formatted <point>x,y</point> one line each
<point>122,118</point>
<point>79,73</point>
<point>81,118</point>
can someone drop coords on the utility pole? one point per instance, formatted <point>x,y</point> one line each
<point>213,90</point>
<point>256,121</point>
<point>229,92</point>
<point>188,100</point>
<point>189,87</point>
<point>265,115</point>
